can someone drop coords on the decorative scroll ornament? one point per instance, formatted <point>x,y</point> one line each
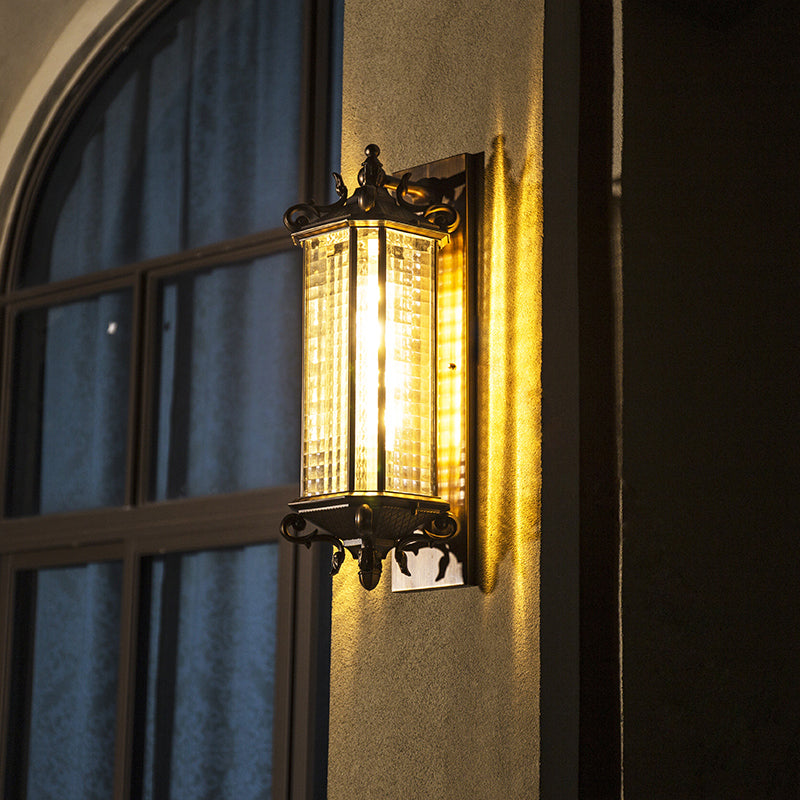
<point>373,547</point>
<point>422,204</point>
<point>292,527</point>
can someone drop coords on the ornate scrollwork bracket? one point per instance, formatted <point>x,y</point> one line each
<point>292,526</point>
<point>438,213</point>
<point>371,548</point>
<point>422,203</point>
<point>302,215</point>
<point>438,530</point>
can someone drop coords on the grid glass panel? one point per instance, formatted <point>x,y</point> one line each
<point>410,368</point>
<point>325,385</point>
<point>368,337</point>
<point>451,389</point>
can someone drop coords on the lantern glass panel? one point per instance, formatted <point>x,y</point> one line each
<point>325,384</point>
<point>410,363</point>
<point>369,333</point>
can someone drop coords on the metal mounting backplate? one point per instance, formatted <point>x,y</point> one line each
<point>456,366</point>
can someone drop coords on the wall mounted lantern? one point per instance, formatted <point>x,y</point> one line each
<point>372,363</point>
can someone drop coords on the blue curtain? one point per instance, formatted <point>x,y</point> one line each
<point>229,379</point>
<point>193,138</point>
<point>69,432</point>
<point>210,679</point>
<point>85,402</point>
<point>73,684</point>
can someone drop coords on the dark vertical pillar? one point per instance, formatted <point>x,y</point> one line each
<point>600,713</point>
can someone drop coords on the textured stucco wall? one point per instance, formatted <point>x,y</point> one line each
<point>28,29</point>
<point>436,694</point>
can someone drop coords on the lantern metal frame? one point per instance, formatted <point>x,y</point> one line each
<point>371,524</point>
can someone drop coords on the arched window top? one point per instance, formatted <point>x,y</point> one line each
<point>149,168</point>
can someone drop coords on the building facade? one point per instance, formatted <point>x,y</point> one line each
<point>634,622</point>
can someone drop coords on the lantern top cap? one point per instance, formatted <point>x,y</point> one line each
<point>371,172</point>
<point>379,197</point>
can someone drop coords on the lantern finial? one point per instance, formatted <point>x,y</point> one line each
<point>371,172</point>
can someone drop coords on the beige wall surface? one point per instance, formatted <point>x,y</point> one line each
<point>436,694</point>
<point>28,29</point>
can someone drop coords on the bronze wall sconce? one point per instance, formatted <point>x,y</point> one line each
<point>388,355</point>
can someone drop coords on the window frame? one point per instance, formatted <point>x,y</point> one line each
<point>141,527</point>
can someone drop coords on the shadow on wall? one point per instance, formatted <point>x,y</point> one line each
<point>509,366</point>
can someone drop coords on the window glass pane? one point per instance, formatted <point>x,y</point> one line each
<point>228,396</point>
<point>66,658</point>
<point>70,406</point>
<point>210,675</point>
<point>192,138</point>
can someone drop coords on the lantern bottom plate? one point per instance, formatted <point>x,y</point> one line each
<point>393,517</point>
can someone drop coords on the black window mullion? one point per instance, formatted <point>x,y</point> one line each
<point>305,641</point>
<point>245,247</point>
<point>22,451</point>
<point>320,134</point>
<point>305,178</point>
<point>18,682</point>
<point>147,381</point>
<point>6,611</point>
<point>127,674</point>
<point>282,737</point>
<point>178,449</point>
<point>166,675</point>
<point>6,365</point>
<point>315,115</point>
<point>138,376</point>
<point>138,715</point>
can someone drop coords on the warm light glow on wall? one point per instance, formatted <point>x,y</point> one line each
<point>510,392</point>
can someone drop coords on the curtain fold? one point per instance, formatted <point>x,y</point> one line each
<point>209,705</point>
<point>74,682</point>
<point>229,379</point>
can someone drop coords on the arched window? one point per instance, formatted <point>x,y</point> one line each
<point>157,639</point>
